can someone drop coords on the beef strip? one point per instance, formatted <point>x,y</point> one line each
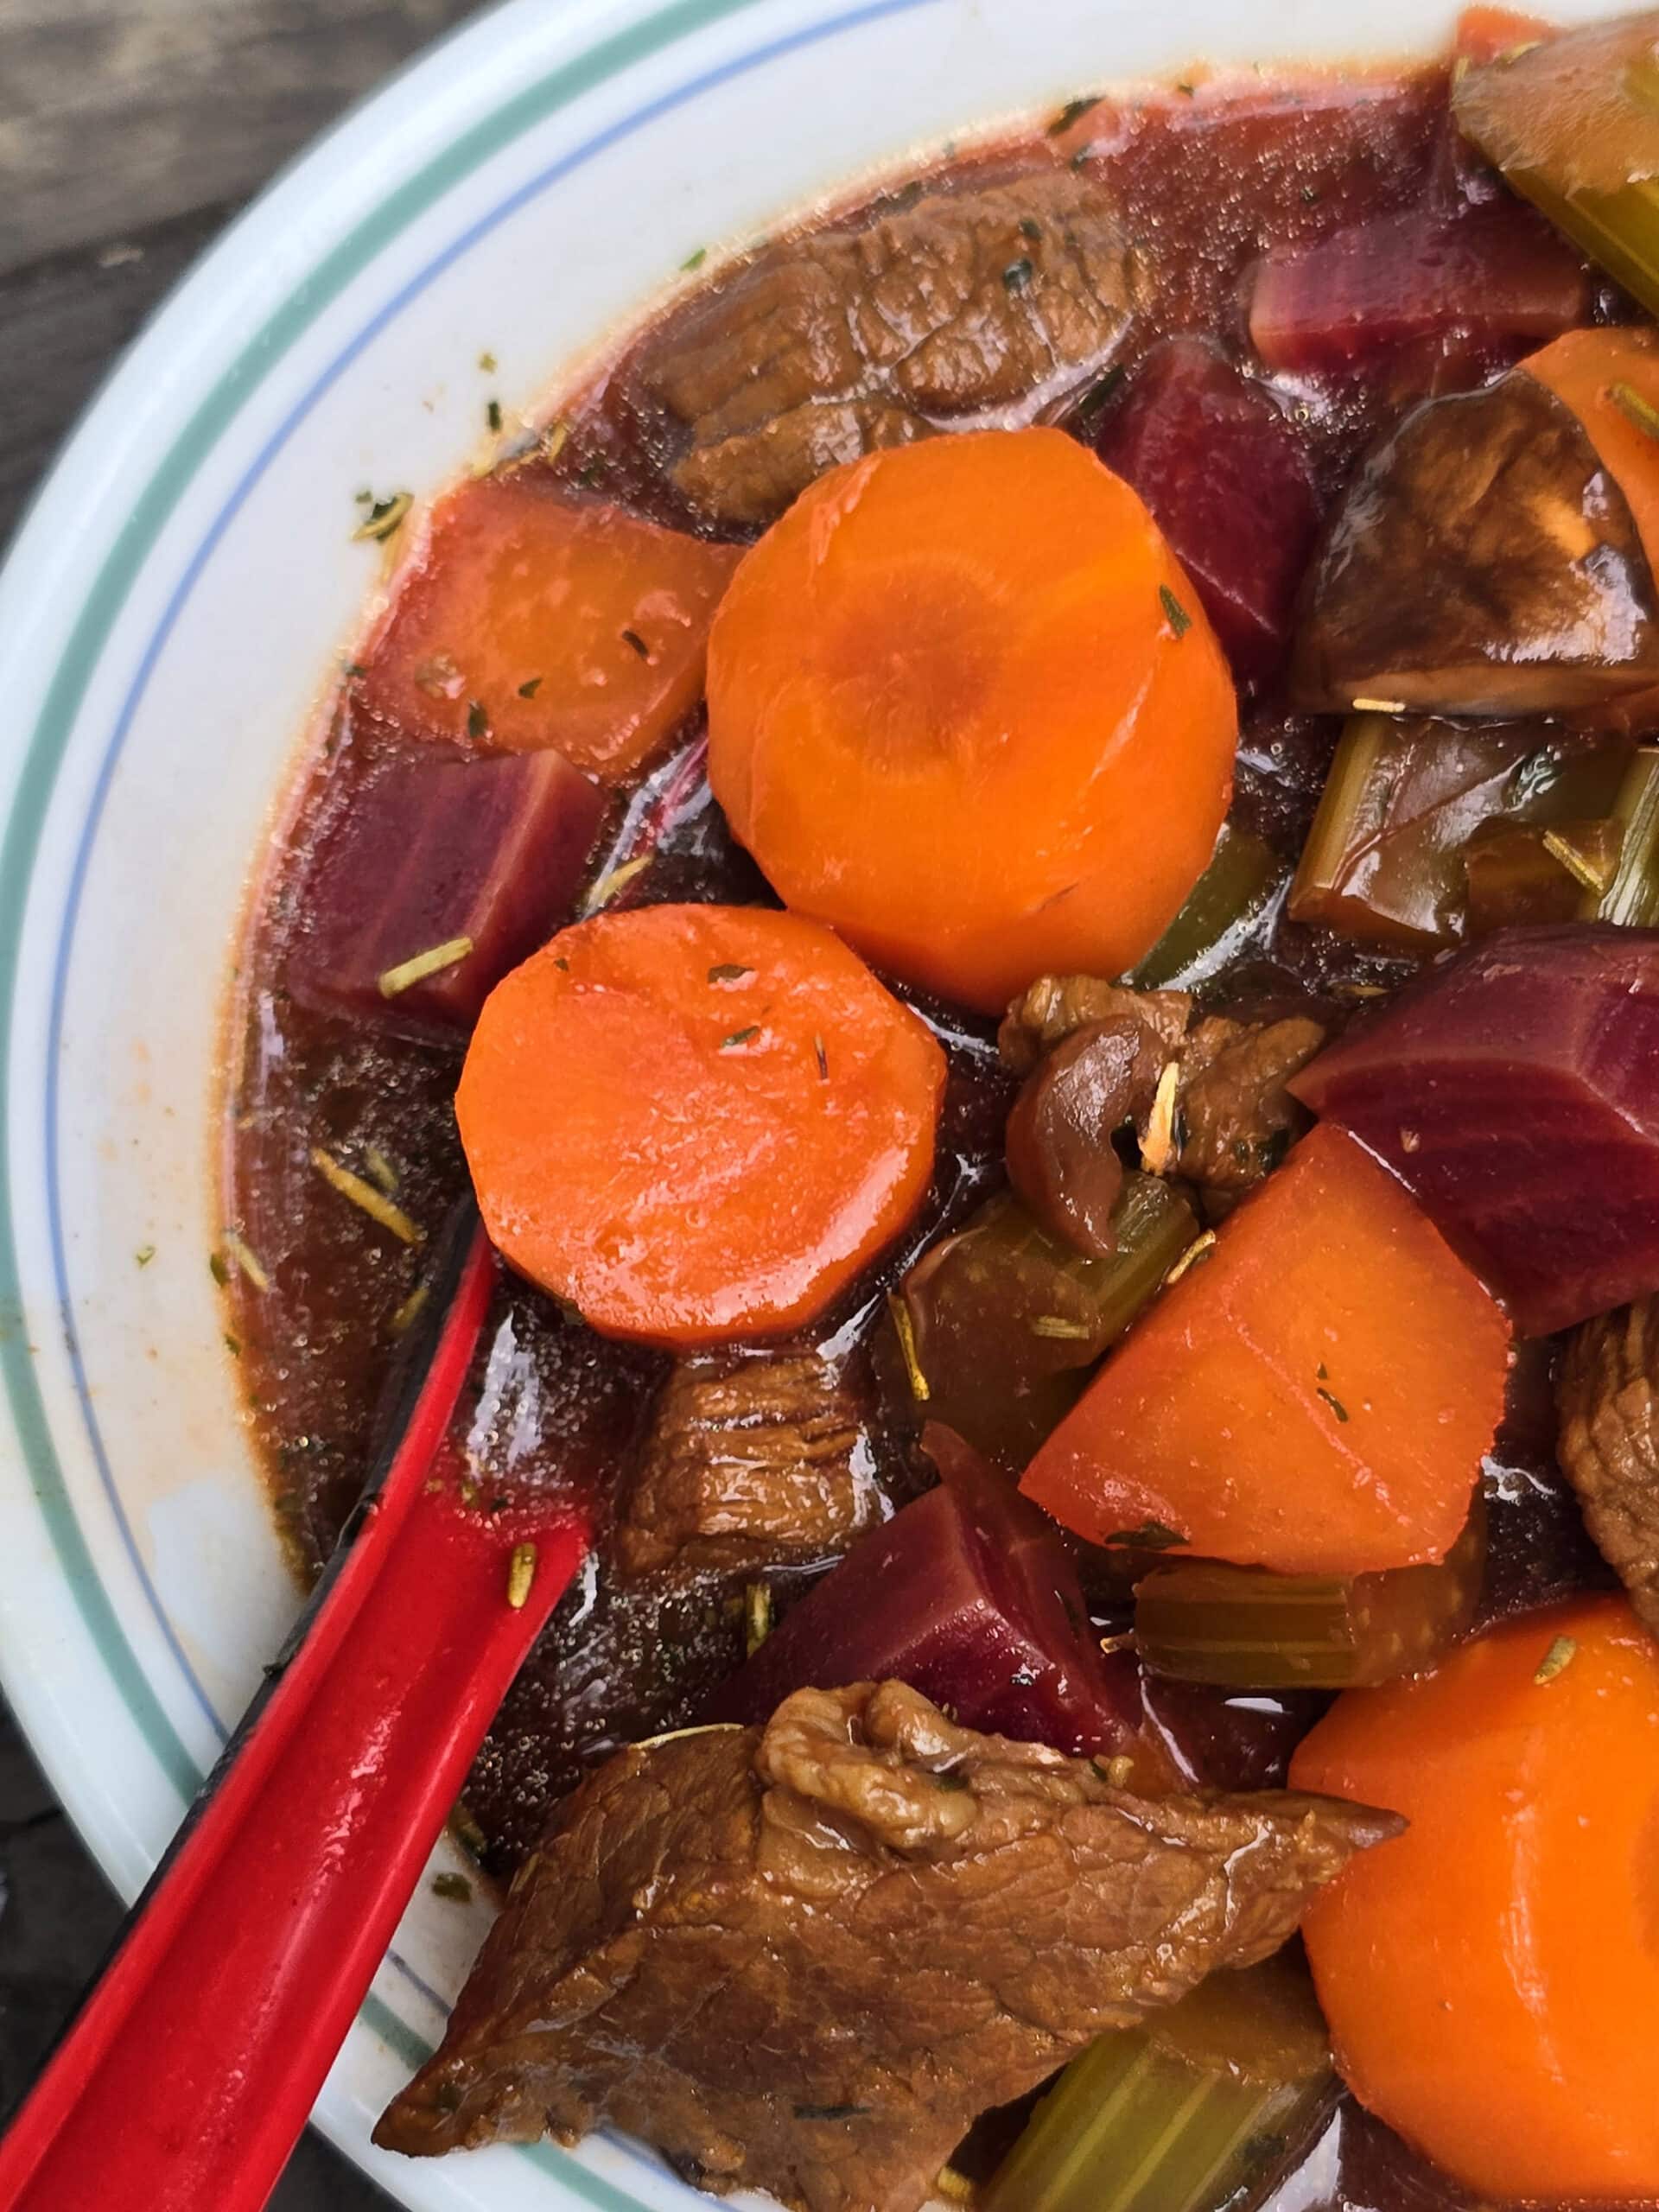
<point>1607,1392</point>
<point>753,1459</point>
<point>1229,1119</point>
<point>1007,298</point>
<point>803,1958</point>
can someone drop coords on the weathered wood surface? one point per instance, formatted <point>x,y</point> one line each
<point>130,130</point>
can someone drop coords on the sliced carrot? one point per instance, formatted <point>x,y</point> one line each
<point>1484,33</point>
<point>1491,1978</point>
<point>1610,379</point>
<point>965,707</point>
<point>698,1122</point>
<point>530,620</point>
<point>1314,1396</point>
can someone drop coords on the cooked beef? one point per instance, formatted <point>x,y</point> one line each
<point>802,1959</point>
<point>1235,1118</point>
<point>1608,1395</point>
<point>1224,1121</point>
<point>1004,298</point>
<point>1056,1005</point>
<point>753,1459</point>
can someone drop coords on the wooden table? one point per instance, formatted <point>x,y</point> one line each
<point>129,131</point>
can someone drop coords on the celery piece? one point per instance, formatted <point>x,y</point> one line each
<point>1572,123</point>
<point>1232,894</point>
<point>1184,2114</point>
<point>1244,1628</point>
<point>1005,1318</point>
<point>1384,860</point>
<point>1632,897</point>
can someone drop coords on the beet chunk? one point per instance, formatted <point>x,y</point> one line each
<point>1515,1091</point>
<point>430,855</point>
<point>1496,277</point>
<point>968,1595</point>
<point>1230,486</point>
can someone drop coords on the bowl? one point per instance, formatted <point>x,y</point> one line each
<point>169,618</point>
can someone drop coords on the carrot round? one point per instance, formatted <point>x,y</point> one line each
<point>1610,379</point>
<point>1314,1396</point>
<point>1491,1978</point>
<point>964,706</point>
<point>698,1122</point>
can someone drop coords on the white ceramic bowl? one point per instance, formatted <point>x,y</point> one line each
<point>167,619</point>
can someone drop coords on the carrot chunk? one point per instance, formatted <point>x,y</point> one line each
<point>965,707</point>
<point>1610,379</point>
<point>1491,1977</point>
<point>1315,1396</point>
<point>529,619</point>
<point>1483,33</point>
<point>698,1122</point>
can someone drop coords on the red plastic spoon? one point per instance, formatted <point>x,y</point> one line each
<point>184,2081</point>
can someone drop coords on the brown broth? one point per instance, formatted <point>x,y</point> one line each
<point>1206,182</point>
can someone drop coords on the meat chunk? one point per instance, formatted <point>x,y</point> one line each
<point>1234,1120</point>
<point>832,345</point>
<point>1224,1121</point>
<point>803,1958</point>
<point>1608,1397</point>
<point>752,1460</point>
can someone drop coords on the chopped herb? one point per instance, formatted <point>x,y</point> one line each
<point>1098,395</point>
<point>614,879</point>
<point>1115,1772</point>
<point>821,1057</point>
<point>487,362</point>
<point>1022,1679</point>
<point>758,1613</point>
<point>1272,1149</point>
<point>233,1346</point>
<point>1018,274</point>
<point>1561,1654</point>
<point>1333,1401</point>
<point>409,1308</point>
<point>492,416</point>
<point>1058,1326</point>
<point>632,637</point>
<point>695,260</point>
<point>1073,112</point>
<point>1030,230</point>
<point>521,1574</point>
<point>728,971</point>
<point>246,1260</point>
<point>830,2112</point>
<point>456,1889</point>
<point>1640,411</point>
<point>385,518</point>
<point>740,1037</point>
<point>378,1206</point>
<point>144,1255</point>
<point>562,963</point>
<point>529,688</point>
<point>1179,621</point>
<point>948,1780</point>
<point>1195,1254</point>
<point>420,965</point>
<point>1323,1372</point>
<point>1310,196</point>
<point>1187,89</point>
<point>381,1169</point>
<point>905,1330</point>
<point>217,1268</point>
<point>591,470</point>
<point>354,668</point>
<point>1531,778</point>
<point>478,719</point>
<point>554,439</point>
<point>1149,1536</point>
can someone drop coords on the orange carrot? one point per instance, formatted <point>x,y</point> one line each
<point>1610,379</point>
<point>1484,33</point>
<point>528,620</point>
<point>698,1122</point>
<point>1491,1978</point>
<point>1314,1396</point>
<point>965,707</point>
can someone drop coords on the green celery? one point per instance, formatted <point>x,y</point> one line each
<point>1632,897</point>
<point>1232,894</point>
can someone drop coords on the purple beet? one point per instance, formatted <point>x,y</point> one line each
<point>432,854</point>
<point>1514,1091</point>
<point>1496,277</point>
<point>1228,484</point>
<point>969,1595</point>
